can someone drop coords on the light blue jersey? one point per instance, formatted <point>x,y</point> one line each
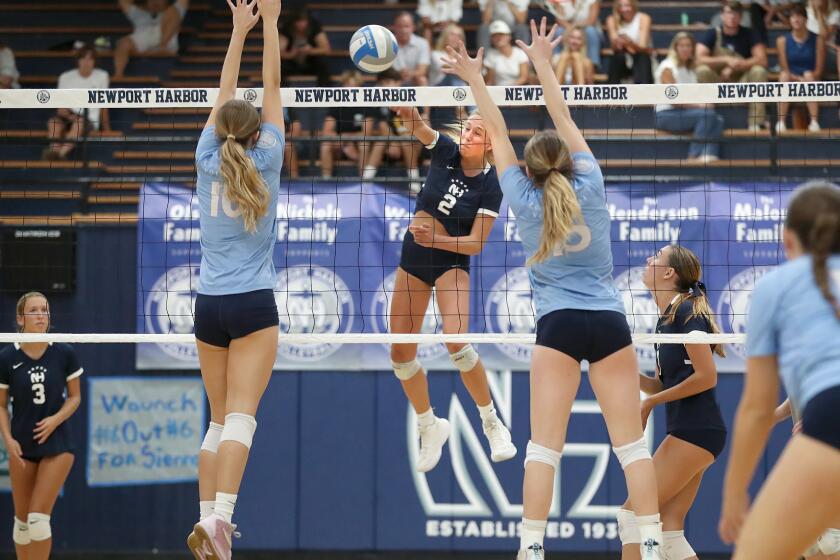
<point>233,260</point>
<point>580,273</point>
<point>789,318</point>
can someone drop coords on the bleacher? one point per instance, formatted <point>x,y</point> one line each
<point>102,180</point>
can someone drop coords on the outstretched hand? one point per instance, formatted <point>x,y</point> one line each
<point>459,63</point>
<point>542,45</point>
<point>245,17</point>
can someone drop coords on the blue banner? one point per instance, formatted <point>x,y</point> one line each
<point>337,252</point>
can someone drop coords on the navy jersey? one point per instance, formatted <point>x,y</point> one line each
<point>453,198</point>
<point>37,389</point>
<point>700,411</point>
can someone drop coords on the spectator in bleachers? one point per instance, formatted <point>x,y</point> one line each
<point>629,33</point>
<point>707,125</point>
<point>389,123</point>
<point>414,55</point>
<point>506,64</point>
<point>294,130</point>
<point>584,14</point>
<point>156,29</point>
<point>512,12</point>
<point>733,53</point>
<point>352,124</point>
<point>802,59</point>
<point>8,69</point>
<point>437,14</point>
<point>303,45</point>
<point>573,67</point>
<point>824,20</point>
<point>68,125</point>
<point>759,14</point>
<point>451,36</point>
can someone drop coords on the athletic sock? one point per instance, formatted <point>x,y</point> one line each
<point>427,418</point>
<point>533,531</point>
<point>205,508</point>
<point>487,412</point>
<point>224,505</point>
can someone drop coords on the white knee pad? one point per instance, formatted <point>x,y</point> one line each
<point>20,533</point>
<point>212,438</point>
<point>406,370</point>
<point>632,452</point>
<point>829,542</point>
<point>239,427</point>
<point>675,546</point>
<point>539,454</point>
<point>628,529</point>
<point>465,359</point>
<point>39,526</point>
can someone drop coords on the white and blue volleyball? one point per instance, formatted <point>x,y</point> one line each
<point>373,48</point>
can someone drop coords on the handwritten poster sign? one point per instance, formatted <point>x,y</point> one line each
<point>144,430</point>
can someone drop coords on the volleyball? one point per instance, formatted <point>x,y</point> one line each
<point>373,48</point>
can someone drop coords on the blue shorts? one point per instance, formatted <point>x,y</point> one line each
<point>712,441</point>
<point>820,419</point>
<point>220,319</point>
<point>584,335</point>
<point>429,264</point>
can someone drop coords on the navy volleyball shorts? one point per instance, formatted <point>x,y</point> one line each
<point>220,319</point>
<point>820,419</point>
<point>712,441</point>
<point>584,335</point>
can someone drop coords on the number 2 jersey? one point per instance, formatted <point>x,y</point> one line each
<point>453,198</point>
<point>37,390</point>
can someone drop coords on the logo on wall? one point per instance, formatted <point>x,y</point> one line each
<point>641,309</point>
<point>510,309</point>
<point>250,95</point>
<point>43,96</point>
<point>380,311</point>
<point>312,300</point>
<point>170,309</point>
<point>734,303</point>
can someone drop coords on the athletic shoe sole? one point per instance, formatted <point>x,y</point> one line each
<point>504,454</point>
<point>201,545</point>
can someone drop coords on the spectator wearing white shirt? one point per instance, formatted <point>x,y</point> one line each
<point>506,65</point>
<point>68,125</point>
<point>156,29</point>
<point>8,69</point>
<point>437,14</point>
<point>414,55</point>
<point>823,18</point>
<point>584,14</point>
<point>573,67</point>
<point>512,12</point>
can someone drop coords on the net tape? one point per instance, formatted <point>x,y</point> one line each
<point>595,95</point>
<point>362,338</point>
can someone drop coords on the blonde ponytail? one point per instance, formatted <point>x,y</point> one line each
<point>550,163</point>
<point>236,124</point>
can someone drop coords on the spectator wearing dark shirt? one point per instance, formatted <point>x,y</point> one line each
<point>389,123</point>
<point>303,45</point>
<point>802,59</point>
<point>733,53</point>
<point>353,125</point>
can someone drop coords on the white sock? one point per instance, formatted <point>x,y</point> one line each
<point>427,418</point>
<point>369,172</point>
<point>224,505</point>
<point>205,508</point>
<point>487,412</point>
<point>649,527</point>
<point>532,532</point>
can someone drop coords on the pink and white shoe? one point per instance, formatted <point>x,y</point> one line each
<point>211,538</point>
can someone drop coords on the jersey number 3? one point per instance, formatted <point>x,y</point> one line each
<point>40,396</point>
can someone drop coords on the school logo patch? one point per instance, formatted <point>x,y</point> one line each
<point>510,309</point>
<point>311,300</point>
<point>734,303</point>
<point>170,309</point>
<point>642,312</point>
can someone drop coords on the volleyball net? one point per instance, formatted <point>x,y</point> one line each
<point>103,217</point>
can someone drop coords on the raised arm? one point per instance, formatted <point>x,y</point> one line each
<point>415,125</point>
<point>272,111</point>
<point>125,5</point>
<point>244,19</point>
<point>469,69</point>
<point>540,51</point>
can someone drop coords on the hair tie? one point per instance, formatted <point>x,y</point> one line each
<point>698,289</point>
<point>557,169</point>
<point>231,137</point>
